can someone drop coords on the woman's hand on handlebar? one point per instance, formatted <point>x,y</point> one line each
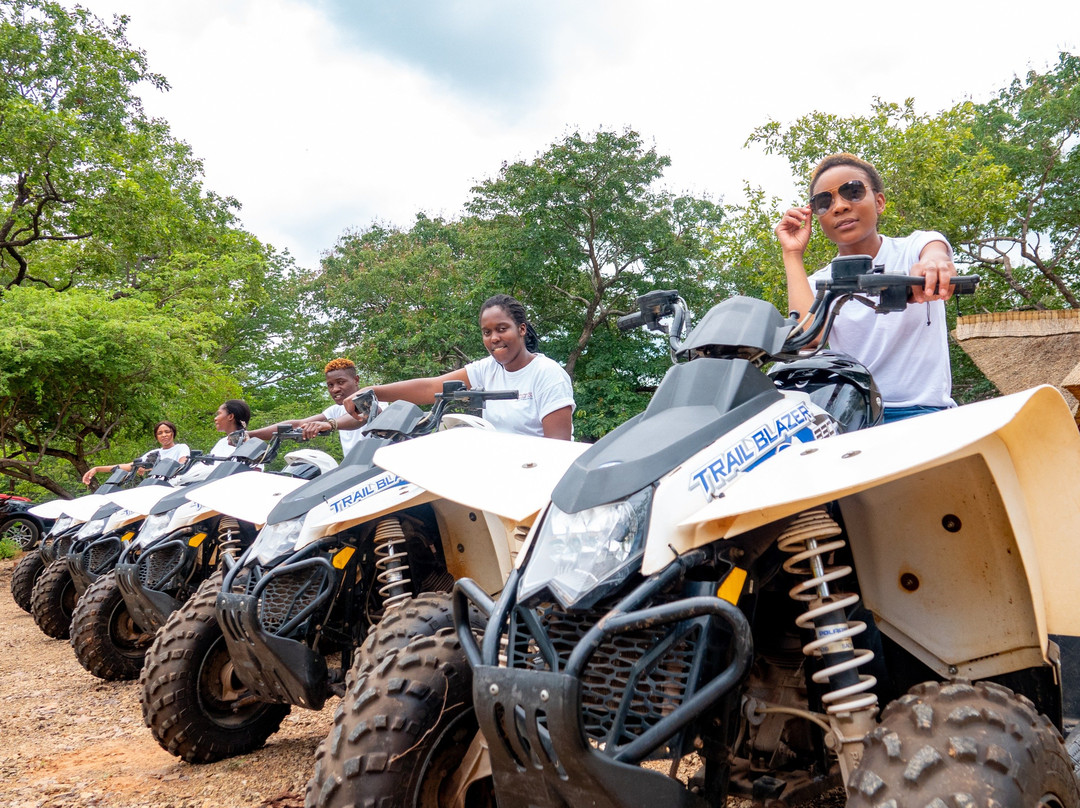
<point>936,266</point>
<point>358,415</point>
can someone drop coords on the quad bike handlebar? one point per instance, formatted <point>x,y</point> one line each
<point>853,277</point>
<point>367,405</point>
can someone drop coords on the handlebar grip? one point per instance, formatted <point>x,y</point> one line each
<point>629,322</point>
<point>499,395</point>
<point>964,284</point>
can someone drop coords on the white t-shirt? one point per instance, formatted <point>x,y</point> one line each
<point>543,387</point>
<point>222,448</point>
<point>349,437</point>
<point>174,452</point>
<point>907,352</point>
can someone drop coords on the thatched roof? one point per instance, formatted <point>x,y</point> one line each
<point>1020,349</point>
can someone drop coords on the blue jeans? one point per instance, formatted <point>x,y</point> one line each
<point>900,413</point>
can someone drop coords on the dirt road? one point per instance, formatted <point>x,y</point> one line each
<point>68,739</point>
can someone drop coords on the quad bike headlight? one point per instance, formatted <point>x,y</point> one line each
<point>153,528</point>
<point>580,557</point>
<point>61,524</point>
<point>276,540</point>
<point>92,528</point>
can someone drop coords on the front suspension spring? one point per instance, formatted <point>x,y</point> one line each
<point>826,612</point>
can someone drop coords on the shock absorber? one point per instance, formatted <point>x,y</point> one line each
<point>229,536</point>
<point>392,572</point>
<point>850,702</point>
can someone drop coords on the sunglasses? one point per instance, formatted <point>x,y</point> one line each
<point>852,191</point>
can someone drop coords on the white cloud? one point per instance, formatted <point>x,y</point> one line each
<point>315,133</point>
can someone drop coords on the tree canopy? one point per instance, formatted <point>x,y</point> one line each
<point>103,206</point>
<point>130,292</point>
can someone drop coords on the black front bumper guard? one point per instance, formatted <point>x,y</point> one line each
<point>274,667</point>
<point>89,562</point>
<point>150,583</point>
<point>532,720</point>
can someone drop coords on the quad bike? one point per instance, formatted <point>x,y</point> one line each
<point>339,554</point>
<point>179,545</point>
<point>63,516</point>
<point>77,560</point>
<point>71,558</point>
<point>692,598</point>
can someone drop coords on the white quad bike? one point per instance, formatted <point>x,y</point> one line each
<point>180,544</point>
<point>65,515</point>
<point>698,614</point>
<point>351,550</point>
<point>73,561</point>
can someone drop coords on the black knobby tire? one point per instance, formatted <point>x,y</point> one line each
<point>1072,748</point>
<point>53,601</point>
<point>423,616</point>
<point>404,726</point>
<point>24,576</point>
<point>193,704</point>
<point>956,745</point>
<point>107,642</point>
<point>21,529</point>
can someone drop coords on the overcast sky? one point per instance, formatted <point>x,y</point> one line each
<point>326,115</point>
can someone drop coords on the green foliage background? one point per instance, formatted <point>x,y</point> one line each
<point>129,292</point>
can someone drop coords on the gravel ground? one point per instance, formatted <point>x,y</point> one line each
<point>70,740</point>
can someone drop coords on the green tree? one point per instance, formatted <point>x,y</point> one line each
<point>79,370</point>
<point>579,232</point>
<point>67,121</point>
<point>96,196</point>
<point>404,303</point>
<point>1031,128</point>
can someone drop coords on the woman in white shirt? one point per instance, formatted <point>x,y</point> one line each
<point>234,414</point>
<point>165,432</point>
<point>545,403</point>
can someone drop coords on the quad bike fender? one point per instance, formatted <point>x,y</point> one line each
<point>962,524</point>
<point>80,509</point>
<point>53,509</point>
<point>247,497</point>
<point>369,499</point>
<point>477,544</point>
<point>121,519</point>
<point>509,475</point>
<point>140,500</point>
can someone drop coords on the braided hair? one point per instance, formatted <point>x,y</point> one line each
<point>516,312</point>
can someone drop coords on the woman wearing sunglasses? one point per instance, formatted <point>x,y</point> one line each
<point>907,352</point>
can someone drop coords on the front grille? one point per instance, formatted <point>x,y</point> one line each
<point>157,567</point>
<point>62,545</point>
<point>631,681</point>
<point>102,555</point>
<point>287,594</point>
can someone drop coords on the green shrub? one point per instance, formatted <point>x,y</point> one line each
<point>9,548</point>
